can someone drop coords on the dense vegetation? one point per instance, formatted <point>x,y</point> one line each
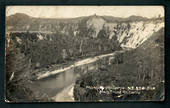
<point>35,45</point>
<point>28,52</point>
<point>141,67</point>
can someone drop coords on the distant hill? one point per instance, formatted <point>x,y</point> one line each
<point>130,32</point>
<point>39,43</point>
<point>23,19</point>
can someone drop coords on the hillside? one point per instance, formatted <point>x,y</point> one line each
<point>130,32</point>
<point>141,67</point>
<point>37,45</point>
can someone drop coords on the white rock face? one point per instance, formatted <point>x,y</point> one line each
<point>141,31</point>
<point>18,40</point>
<point>95,23</point>
<point>129,34</point>
<point>40,37</point>
<point>133,34</point>
<point>112,28</point>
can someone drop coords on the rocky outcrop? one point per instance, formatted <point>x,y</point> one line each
<point>133,34</point>
<point>130,32</point>
<point>95,23</point>
<point>142,67</point>
<point>36,43</point>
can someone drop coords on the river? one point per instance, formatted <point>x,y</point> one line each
<point>59,84</point>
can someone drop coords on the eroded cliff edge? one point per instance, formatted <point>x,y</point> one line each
<point>35,45</point>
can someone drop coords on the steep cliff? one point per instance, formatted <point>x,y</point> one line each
<point>138,68</point>
<point>35,44</point>
<point>130,32</point>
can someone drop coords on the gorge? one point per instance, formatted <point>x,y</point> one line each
<point>39,50</point>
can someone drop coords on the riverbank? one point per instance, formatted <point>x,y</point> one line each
<point>142,67</point>
<point>59,84</point>
<point>75,64</point>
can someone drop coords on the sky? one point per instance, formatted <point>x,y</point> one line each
<point>77,11</point>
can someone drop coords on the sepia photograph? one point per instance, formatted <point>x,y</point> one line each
<point>84,53</point>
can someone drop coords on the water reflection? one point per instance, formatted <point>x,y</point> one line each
<point>56,83</point>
